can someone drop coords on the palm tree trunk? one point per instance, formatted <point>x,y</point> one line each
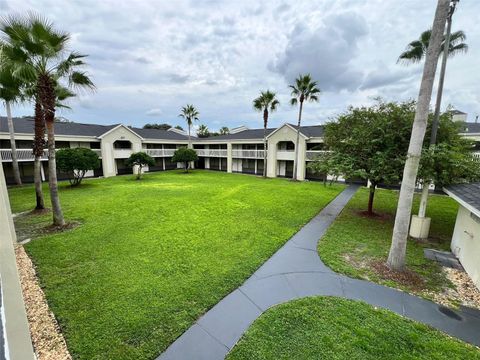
<point>47,92</point>
<point>16,170</point>
<point>396,257</point>
<point>265,123</point>
<point>295,163</point>
<point>436,117</point>
<point>37,178</point>
<point>38,145</point>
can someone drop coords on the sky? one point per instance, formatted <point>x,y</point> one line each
<point>150,58</point>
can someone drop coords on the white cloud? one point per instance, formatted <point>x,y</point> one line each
<point>154,112</point>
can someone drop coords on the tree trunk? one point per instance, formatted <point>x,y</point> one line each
<point>371,197</point>
<point>295,163</point>
<point>436,117</point>
<point>38,145</point>
<point>37,178</point>
<point>16,170</point>
<point>423,201</point>
<point>396,257</point>
<point>265,123</point>
<point>47,91</point>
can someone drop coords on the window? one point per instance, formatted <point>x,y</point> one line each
<point>122,144</point>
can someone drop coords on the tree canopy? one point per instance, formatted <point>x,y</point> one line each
<point>75,162</point>
<point>140,159</point>
<point>185,155</point>
<point>163,126</point>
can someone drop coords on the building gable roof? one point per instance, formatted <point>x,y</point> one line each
<point>467,195</point>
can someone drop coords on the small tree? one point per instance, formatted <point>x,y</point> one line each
<point>76,162</point>
<point>163,126</point>
<point>369,143</point>
<point>140,159</point>
<point>185,156</point>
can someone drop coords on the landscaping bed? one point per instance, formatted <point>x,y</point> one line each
<point>357,245</point>
<point>334,328</point>
<point>147,258</point>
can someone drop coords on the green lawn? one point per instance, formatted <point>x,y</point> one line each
<point>333,328</point>
<point>353,242</point>
<point>151,256</point>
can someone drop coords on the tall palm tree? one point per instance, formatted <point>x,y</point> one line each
<point>304,89</point>
<point>417,49</point>
<point>39,54</point>
<point>10,92</point>
<point>203,131</point>
<point>190,114</point>
<point>267,101</point>
<point>396,256</point>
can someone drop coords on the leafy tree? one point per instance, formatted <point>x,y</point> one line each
<point>304,89</point>
<point>185,155</point>
<point>178,127</point>
<point>267,101</point>
<point>163,126</point>
<point>140,159</point>
<point>224,130</point>
<point>369,143</point>
<point>417,49</point>
<point>203,131</point>
<point>75,162</point>
<point>190,114</point>
<point>38,54</point>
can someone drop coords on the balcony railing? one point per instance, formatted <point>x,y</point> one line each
<point>476,156</point>
<point>248,154</point>
<point>212,152</point>
<point>160,152</point>
<point>314,154</point>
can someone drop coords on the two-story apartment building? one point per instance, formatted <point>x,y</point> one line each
<point>240,151</point>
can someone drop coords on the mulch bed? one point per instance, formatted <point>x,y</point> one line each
<point>407,277</point>
<point>48,341</point>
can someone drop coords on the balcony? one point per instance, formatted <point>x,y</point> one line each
<point>212,152</point>
<point>248,154</point>
<point>313,154</point>
<point>26,154</point>
<point>288,155</point>
<point>160,152</point>
<point>122,153</point>
<point>476,156</point>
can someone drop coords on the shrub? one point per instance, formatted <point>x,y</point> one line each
<point>76,162</point>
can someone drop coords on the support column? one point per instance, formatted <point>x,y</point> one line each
<point>108,160</point>
<point>229,157</point>
<point>301,166</point>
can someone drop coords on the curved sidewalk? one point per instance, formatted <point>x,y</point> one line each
<point>296,271</point>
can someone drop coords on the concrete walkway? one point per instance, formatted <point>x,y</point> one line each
<point>296,271</point>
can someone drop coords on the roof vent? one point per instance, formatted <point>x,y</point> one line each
<point>238,129</point>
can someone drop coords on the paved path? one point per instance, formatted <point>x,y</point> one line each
<point>296,271</point>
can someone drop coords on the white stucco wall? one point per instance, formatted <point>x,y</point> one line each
<point>466,243</point>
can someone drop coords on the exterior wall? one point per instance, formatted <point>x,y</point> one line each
<point>466,243</point>
<point>108,154</point>
<point>285,133</point>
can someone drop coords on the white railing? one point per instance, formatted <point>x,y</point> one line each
<point>248,154</point>
<point>476,156</point>
<point>314,154</point>
<point>285,154</point>
<point>22,155</point>
<point>212,152</point>
<point>160,152</point>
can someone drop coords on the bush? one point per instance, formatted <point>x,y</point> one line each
<point>185,156</point>
<point>76,162</point>
<point>140,159</point>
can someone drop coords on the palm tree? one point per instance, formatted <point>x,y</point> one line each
<point>10,92</point>
<point>304,89</point>
<point>417,49</point>
<point>37,51</point>
<point>190,114</point>
<point>203,131</point>
<point>396,256</point>
<point>266,102</point>
<point>224,130</point>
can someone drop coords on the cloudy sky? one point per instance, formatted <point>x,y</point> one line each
<point>148,58</point>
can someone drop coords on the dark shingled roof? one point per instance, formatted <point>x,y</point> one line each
<point>471,128</point>
<point>160,134</point>
<point>252,134</point>
<point>25,125</point>
<point>470,193</point>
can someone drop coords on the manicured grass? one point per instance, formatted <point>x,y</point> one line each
<point>354,241</point>
<point>333,328</point>
<point>151,256</point>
